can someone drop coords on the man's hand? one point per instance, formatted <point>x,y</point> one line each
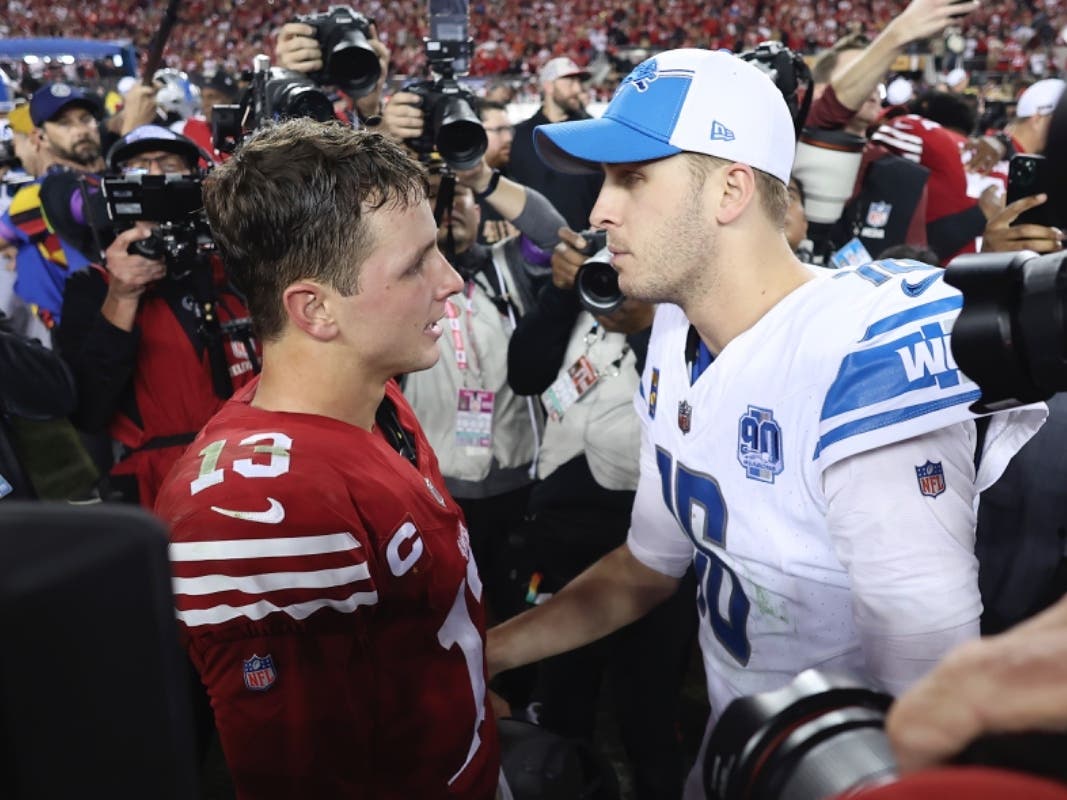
<point>402,117</point>
<point>1013,682</point>
<point>1001,236</point>
<point>370,105</point>
<point>991,201</point>
<point>131,274</point>
<point>986,152</point>
<point>477,177</point>
<point>138,107</point>
<point>297,48</point>
<point>924,18</point>
<point>567,257</point>
<point>632,316</point>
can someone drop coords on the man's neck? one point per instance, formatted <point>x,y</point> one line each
<point>319,378</point>
<point>738,299</point>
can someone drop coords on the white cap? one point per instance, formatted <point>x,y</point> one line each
<point>956,77</point>
<point>899,91</point>
<point>561,67</point>
<point>689,100</point>
<point>125,83</point>
<point>1040,98</point>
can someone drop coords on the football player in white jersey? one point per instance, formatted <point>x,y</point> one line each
<point>808,442</point>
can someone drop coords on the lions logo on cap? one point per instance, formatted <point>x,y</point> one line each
<point>643,74</point>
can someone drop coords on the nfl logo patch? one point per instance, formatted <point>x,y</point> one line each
<point>259,673</point>
<point>878,214</point>
<point>685,416</point>
<point>931,478</point>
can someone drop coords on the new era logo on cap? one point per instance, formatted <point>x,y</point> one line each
<point>687,100</point>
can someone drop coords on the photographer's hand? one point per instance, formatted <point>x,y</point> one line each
<point>297,48</point>
<point>567,257</point>
<point>1001,236</point>
<point>1013,682</point>
<point>402,116</point>
<point>370,106</point>
<point>138,107</point>
<point>129,275</point>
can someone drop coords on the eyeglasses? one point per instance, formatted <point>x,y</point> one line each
<point>169,163</point>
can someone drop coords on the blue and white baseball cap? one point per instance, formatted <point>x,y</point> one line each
<point>52,98</point>
<point>688,100</point>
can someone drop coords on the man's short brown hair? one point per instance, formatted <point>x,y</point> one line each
<point>291,205</point>
<point>773,194</point>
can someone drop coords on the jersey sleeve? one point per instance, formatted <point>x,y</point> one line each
<point>902,520</point>
<point>273,579</point>
<point>896,377</point>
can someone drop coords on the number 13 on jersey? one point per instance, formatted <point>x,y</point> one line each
<point>696,502</point>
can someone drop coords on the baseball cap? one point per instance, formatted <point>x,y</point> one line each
<point>151,137</point>
<point>688,100</point>
<point>19,118</point>
<point>956,76</point>
<point>561,67</point>
<point>52,98</point>
<point>1041,98</point>
<point>221,82</point>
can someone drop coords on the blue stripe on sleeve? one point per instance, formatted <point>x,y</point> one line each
<point>888,418</point>
<point>931,309</point>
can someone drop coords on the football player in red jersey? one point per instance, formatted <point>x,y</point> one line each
<point>322,574</point>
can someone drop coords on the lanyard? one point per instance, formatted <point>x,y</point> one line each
<point>456,330</point>
<point>596,334</point>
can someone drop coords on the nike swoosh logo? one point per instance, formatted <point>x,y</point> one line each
<point>272,516</point>
<point>916,289</point>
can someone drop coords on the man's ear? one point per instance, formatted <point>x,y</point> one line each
<point>305,305</point>
<point>738,184</point>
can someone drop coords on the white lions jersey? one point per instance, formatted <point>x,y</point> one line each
<point>734,463</point>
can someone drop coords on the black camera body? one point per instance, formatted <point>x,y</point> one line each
<point>348,60</point>
<point>450,124</point>
<point>275,94</point>
<point>597,282</point>
<point>789,72</point>
<point>181,237</point>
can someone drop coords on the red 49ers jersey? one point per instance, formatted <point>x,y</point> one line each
<point>328,597</point>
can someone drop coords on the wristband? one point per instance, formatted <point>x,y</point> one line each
<point>493,181</point>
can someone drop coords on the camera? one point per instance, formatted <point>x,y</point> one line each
<point>1010,335</point>
<point>275,94</point>
<point>819,735</point>
<point>348,60</point>
<point>182,237</point>
<point>597,282</point>
<point>451,125</point>
<point>789,72</point>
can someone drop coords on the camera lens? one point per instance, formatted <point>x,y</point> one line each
<point>353,65</point>
<point>460,136</point>
<point>597,285</point>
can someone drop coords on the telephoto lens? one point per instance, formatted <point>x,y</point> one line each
<point>597,282</point>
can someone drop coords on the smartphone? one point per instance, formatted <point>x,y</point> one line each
<point>1029,175</point>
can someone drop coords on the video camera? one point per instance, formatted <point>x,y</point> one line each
<point>275,94</point>
<point>451,125</point>
<point>182,237</point>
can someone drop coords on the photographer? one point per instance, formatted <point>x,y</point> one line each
<point>580,510</point>
<point>486,436</point>
<point>298,49</point>
<point>147,342</point>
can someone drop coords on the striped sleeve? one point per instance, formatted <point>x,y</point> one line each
<point>220,581</point>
